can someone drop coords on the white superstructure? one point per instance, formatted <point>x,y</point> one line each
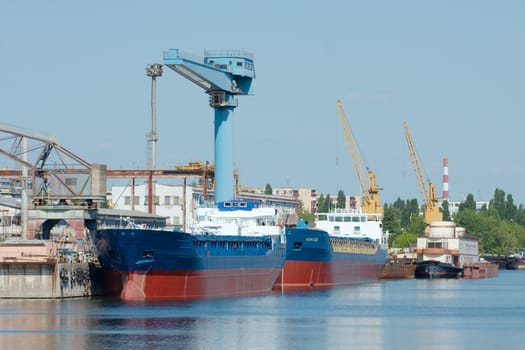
<point>239,218</point>
<point>351,223</point>
<point>447,243</point>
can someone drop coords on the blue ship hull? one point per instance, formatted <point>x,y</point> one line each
<point>314,259</point>
<point>146,264</point>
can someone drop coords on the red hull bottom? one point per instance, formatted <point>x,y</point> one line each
<point>186,285</point>
<point>322,274</point>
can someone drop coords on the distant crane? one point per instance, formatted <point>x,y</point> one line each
<point>431,210</point>
<point>369,188</point>
<point>223,75</point>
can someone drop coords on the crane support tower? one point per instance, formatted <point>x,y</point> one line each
<point>431,210</point>
<point>222,74</point>
<point>369,189</point>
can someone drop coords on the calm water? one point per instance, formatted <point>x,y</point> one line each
<point>409,314</point>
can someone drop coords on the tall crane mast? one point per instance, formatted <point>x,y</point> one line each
<point>224,75</point>
<point>369,188</point>
<point>431,210</point>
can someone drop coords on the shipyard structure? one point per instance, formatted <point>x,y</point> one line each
<point>52,201</point>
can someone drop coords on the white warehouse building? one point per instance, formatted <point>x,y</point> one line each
<point>168,201</point>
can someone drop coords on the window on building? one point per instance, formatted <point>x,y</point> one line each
<point>176,200</point>
<point>167,200</point>
<point>435,245</point>
<point>127,200</point>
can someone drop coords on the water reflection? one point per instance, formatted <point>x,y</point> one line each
<point>453,314</point>
<point>38,324</point>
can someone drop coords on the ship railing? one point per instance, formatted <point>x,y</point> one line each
<point>352,211</point>
<point>343,211</point>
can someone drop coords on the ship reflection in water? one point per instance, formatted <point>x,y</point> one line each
<point>411,313</point>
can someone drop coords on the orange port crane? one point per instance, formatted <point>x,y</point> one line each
<point>431,210</point>
<point>369,188</point>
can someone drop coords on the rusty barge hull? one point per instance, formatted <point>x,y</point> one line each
<point>480,270</point>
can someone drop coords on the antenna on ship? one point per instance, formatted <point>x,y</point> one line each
<point>222,74</point>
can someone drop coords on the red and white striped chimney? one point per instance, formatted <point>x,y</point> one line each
<point>445,179</point>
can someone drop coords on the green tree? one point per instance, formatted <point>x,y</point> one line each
<point>404,240</point>
<point>341,200</point>
<point>416,225</point>
<point>409,236</point>
<point>510,209</point>
<point>410,210</point>
<point>322,204</point>
<point>304,214</point>
<point>268,189</point>
<point>445,210</point>
<point>498,202</point>
<point>328,203</point>
<point>391,219</point>
<point>392,222</point>
<point>520,215</point>
<point>468,203</point>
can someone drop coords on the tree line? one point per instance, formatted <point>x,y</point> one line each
<point>499,226</point>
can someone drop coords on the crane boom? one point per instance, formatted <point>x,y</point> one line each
<point>417,166</point>
<point>369,189</point>
<point>350,142</point>
<point>431,210</point>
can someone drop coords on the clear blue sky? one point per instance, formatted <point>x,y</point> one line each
<point>454,70</point>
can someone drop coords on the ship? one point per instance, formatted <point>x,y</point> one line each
<point>345,247</point>
<point>445,251</point>
<point>234,249</point>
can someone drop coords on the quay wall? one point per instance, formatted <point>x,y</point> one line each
<point>49,280</point>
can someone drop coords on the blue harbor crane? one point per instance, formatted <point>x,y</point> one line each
<point>222,74</point>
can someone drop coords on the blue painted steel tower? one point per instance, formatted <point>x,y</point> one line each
<point>222,74</point>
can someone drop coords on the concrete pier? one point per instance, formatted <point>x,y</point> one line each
<point>48,280</point>
<point>37,269</point>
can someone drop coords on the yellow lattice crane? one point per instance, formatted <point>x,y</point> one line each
<point>431,210</point>
<point>369,188</point>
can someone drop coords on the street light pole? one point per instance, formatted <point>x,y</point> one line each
<point>153,71</point>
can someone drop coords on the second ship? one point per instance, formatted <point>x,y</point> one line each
<point>345,247</point>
